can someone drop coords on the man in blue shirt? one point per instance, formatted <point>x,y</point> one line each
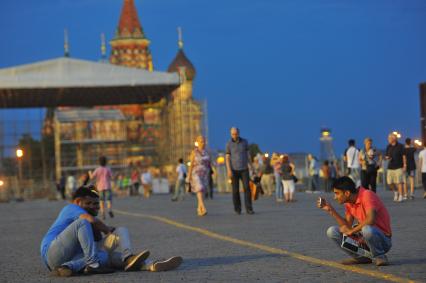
<point>118,247</point>
<point>237,164</point>
<point>69,247</point>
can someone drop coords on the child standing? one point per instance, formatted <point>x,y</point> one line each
<point>102,175</point>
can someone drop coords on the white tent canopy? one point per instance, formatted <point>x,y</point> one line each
<point>73,82</point>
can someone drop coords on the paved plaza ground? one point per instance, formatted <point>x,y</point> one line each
<point>280,243</point>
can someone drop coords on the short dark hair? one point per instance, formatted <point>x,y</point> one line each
<point>180,160</point>
<point>351,142</point>
<point>102,161</point>
<point>345,184</point>
<point>407,141</point>
<point>85,191</point>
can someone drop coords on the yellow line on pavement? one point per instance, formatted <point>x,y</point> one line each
<point>354,269</point>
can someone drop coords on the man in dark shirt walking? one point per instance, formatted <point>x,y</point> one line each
<point>237,164</point>
<point>409,151</point>
<point>396,166</point>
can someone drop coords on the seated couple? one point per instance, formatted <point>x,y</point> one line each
<point>373,229</point>
<point>78,242</point>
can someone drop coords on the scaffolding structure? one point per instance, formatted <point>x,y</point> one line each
<point>185,122</point>
<point>83,135</point>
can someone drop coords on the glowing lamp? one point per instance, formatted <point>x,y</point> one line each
<point>220,160</point>
<point>397,134</point>
<point>19,153</point>
<point>418,142</point>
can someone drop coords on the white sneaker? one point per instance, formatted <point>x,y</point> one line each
<point>405,197</point>
<point>395,196</point>
<point>400,199</point>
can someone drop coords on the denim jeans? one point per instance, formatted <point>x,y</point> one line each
<point>117,246</point>
<point>278,187</point>
<point>179,189</point>
<point>375,239</point>
<point>75,248</point>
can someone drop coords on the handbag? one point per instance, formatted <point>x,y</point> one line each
<point>294,178</point>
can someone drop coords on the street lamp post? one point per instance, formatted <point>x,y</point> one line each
<point>19,155</point>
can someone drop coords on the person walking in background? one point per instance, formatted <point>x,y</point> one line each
<point>287,175</point>
<point>409,152</point>
<point>134,177</point>
<point>351,158</point>
<point>396,166</point>
<point>313,174</point>
<point>180,181</point>
<point>237,165</point>
<point>199,173</point>
<point>60,186</point>
<point>276,163</point>
<point>334,173</point>
<point>266,179</point>
<point>325,169</point>
<point>70,186</point>
<point>102,176</point>
<point>422,167</point>
<point>146,180</point>
<point>209,192</point>
<point>370,163</point>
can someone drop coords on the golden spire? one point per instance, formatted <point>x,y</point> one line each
<point>103,47</point>
<point>180,41</point>
<point>66,45</point>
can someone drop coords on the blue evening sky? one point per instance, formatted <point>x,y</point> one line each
<point>278,69</point>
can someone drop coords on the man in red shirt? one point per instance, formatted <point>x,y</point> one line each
<point>372,218</point>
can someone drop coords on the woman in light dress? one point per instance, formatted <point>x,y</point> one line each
<point>199,173</point>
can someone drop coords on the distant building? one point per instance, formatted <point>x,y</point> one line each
<point>326,145</point>
<point>124,109</point>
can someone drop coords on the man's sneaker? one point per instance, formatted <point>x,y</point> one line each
<point>405,197</point>
<point>169,264</point>
<point>395,197</point>
<point>61,271</point>
<point>98,270</point>
<point>400,199</point>
<point>135,262</point>
<point>411,197</point>
<point>381,261</point>
<point>361,260</point>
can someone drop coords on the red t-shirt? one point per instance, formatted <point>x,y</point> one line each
<point>365,201</point>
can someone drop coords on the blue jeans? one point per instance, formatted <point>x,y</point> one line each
<point>278,187</point>
<point>375,239</point>
<point>75,248</point>
<point>179,189</point>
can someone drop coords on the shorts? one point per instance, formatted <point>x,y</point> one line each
<point>288,186</point>
<point>105,195</point>
<point>410,173</point>
<point>395,176</point>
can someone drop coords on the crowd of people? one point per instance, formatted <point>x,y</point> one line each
<point>79,242</point>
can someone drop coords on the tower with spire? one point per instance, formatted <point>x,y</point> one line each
<point>184,114</point>
<point>130,47</point>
